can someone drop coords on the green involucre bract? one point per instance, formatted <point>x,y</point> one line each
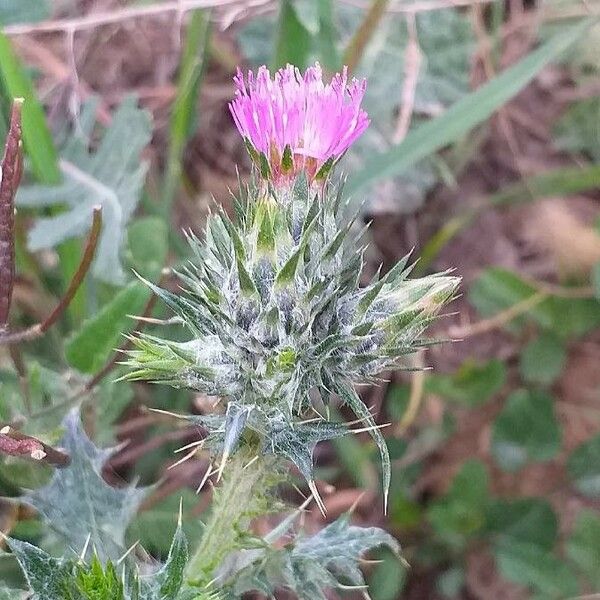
<point>277,318</point>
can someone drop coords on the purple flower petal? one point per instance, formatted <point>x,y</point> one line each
<point>317,121</point>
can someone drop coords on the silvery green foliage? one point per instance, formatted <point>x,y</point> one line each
<point>277,319</point>
<point>78,504</point>
<point>445,43</point>
<point>23,11</point>
<point>47,576</point>
<point>290,439</point>
<point>6,594</point>
<point>70,579</point>
<point>112,176</point>
<point>311,565</point>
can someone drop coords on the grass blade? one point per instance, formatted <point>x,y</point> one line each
<point>36,134</point>
<point>184,108</point>
<point>465,114</point>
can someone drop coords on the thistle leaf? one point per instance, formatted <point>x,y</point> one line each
<point>48,577</point>
<point>352,399</point>
<point>79,505</point>
<point>297,442</point>
<point>61,579</point>
<point>168,581</point>
<point>311,565</point>
<point>111,177</point>
<point>6,594</point>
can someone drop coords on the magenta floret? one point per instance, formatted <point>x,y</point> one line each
<point>293,121</point>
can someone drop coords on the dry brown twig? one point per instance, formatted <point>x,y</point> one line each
<point>95,20</point>
<point>364,33</point>
<point>39,329</point>
<point>11,170</point>
<point>543,292</point>
<point>424,6</point>
<point>15,443</point>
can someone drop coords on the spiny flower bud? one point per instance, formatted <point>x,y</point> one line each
<point>278,322</point>
<point>296,122</point>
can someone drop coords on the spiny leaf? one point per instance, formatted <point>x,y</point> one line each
<point>95,582</point>
<point>78,504</point>
<point>235,422</point>
<point>352,399</point>
<point>297,442</point>
<point>168,581</point>
<point>311,565</point>
<point>48,577</point>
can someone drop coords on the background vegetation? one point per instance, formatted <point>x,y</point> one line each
<point>482,155</point>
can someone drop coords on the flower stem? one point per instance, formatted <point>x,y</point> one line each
<point>242,496</point>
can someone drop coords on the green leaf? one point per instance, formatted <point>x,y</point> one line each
<point>388,578</point>
<point>465,114</point>
<point>583,467</point>
<point>578,130</point>
<point>167,582</point>
<point>155,527</point>
<point>523,520</point>
<point>112,177</point>
<point>89,348</point>
<point>526,430</point>
<point>23,11</point>
<point>36,134</point>
<point>461,512</point>
<point>79,505</point>
<point>148,246</point>
<point>293,40</point>
<point>48,577</point>
<point>191,69</point>
<point>542,360</point>
<point>472,384</point>
<point>583,546</point>
<point>497,289</point>
<point>526,565</point>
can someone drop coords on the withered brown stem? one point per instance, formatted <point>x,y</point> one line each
<point>39,329</point>
<point>10,176</point>
<point>15,443</point>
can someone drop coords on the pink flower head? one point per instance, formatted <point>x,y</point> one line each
<point>294,122</point>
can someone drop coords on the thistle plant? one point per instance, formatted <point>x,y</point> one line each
<point>281,329</point>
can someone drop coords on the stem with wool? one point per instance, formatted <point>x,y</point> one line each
<point>243,495</point>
